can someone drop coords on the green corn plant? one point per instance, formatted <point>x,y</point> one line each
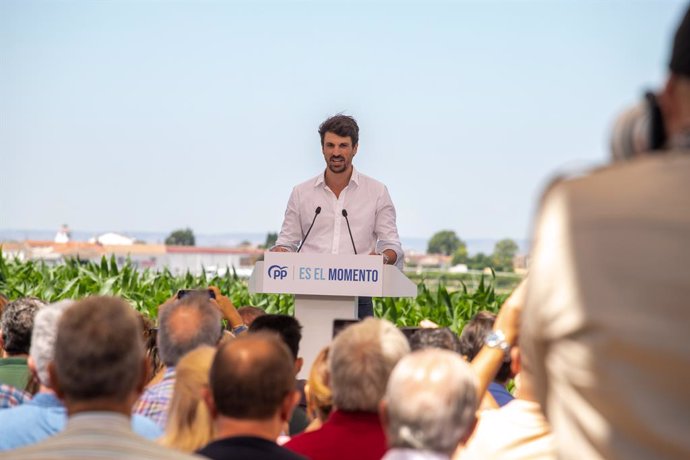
<point>146,289</point>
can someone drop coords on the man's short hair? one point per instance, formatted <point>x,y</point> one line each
<point>17,324</point>
<point>43,337</point>
<point>99,350</point>
<point>361,359</point>
<point>186,324</point>
<point>341,125</point>
<point>472,340</point>
<point>251,375</point>
<point>289,329</point>
<point>441,337</point>
<point>431,400</point>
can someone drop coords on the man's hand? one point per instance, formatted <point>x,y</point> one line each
<point>226,308</point>
<point>488,361</point>
<point>389,256</point>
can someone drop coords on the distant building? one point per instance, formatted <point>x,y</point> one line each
<point>112,239</point>
<point>64,235</point>
<point>178,259</point>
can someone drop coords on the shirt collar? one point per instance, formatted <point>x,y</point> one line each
<point>321,180</point>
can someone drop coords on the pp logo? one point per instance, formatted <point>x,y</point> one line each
<point>277,272</point>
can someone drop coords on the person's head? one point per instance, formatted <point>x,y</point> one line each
<point>150,335</point>
<point>441,337</point>
<point>674,101</point>
<point>660,121</point>
<point>289,330</point>
<point>17,323</point>
<point>99,356</point>
<point>252,379</point>
<point>430,402</point>
<point>341,126</point>
<point>472,340</point>
<point>249,314</point>
<point>318,393</point>
<point>189,425</point>
<point>339,142</point>
<point>186,324</point>
<point>42,349</point>
<point>361,359</point>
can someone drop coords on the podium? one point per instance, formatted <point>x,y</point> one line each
<point>326,287</point>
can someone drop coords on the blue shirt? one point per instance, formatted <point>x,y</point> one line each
<point>44,416</point>
<point>500,394</point>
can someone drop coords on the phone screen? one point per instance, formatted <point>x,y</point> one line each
<point>185,292</point>
<point>340,324</point>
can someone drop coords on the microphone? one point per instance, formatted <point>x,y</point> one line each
<point>316,213</point>
<point>349,231</point>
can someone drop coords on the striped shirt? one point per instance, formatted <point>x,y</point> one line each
<point>155,401</point>
<point>103,435</point>
<point>11,396</point>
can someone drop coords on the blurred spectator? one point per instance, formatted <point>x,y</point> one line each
<point>472,340</point>
<point>249,314</point>
<point>45,415</point>
<point>606,319</point>
<point>189,421</point>
<point>317,392</point>
<point>183,325</point>
<point>516,431</point>
<point>156,367</point>
<point>98,371</point>
<point>251,396</point>
<point>16,325</point>
<point>361,359</point>
<point>442,338</point>
<point>290,331</point>
<point>430,405</point>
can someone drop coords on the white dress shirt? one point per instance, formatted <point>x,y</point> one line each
<point>369,209</point>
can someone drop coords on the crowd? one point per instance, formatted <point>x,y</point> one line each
<point>587,358</point>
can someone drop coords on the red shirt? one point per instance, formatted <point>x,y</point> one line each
<point>345,435</point>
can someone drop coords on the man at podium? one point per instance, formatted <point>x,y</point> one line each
<point>341,211</point>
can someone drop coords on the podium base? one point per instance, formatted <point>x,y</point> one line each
<point>316,314</point>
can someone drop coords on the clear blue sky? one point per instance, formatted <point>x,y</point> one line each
<point>153,115</point>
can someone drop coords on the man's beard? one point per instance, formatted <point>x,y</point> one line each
<point>338,167</point>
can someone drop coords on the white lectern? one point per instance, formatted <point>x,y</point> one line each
<point>326,287</point>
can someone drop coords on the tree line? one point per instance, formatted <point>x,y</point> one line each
<point>447,242</point>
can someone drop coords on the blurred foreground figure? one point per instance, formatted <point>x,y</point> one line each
<point>360,362</point>
<point>183,325</point>
<point>99,370</point>
<point>45,415</point>
<point>189,425</point>
<point>607,314</point>
<point>430,405</point>
<point>16,324</point>
<point>251,397</point>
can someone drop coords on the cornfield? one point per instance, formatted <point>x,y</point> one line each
<point>145,290</point>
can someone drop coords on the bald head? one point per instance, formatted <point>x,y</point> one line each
<point>430,401</point>
<point>185,325</point>
<point>251,376</point>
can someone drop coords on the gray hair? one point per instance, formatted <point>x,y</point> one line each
<point>99,350</point>
<point>431,401</point>
<point>43,337</point>
<point>186,324</point>
<point>361,359</point>
<point>17,323</point>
